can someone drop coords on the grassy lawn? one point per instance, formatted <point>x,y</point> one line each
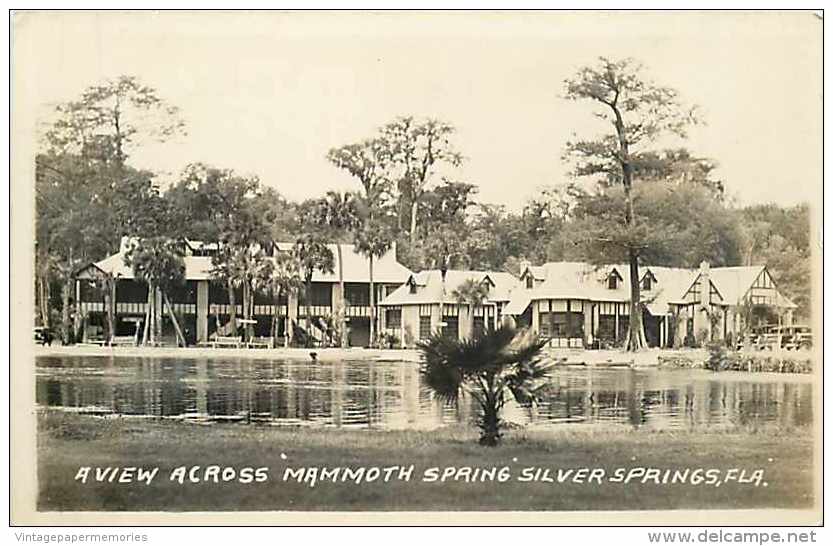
<point>67,442</point>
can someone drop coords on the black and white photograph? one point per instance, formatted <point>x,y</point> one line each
<point>475,264</point>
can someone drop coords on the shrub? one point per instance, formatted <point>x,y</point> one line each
<point>718,360</point>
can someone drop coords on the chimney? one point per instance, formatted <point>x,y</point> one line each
<point>524,265</point>
<point>705,285</point>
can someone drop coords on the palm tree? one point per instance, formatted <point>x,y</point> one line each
<point>158,262</point>
<point>258,278</point>
<point>373,240</point>
<point>337,211</point>
<point>286,277</point>
<point>470,293</point>
<point>224,270</point>
<point>312,253</point>
<point>503,361</point>
<point>245,267</point>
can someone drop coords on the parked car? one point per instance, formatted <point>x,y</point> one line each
<point>770,337</point>
<point>796,337</point>
<point>43,335</point>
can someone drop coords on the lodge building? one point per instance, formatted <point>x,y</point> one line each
<point>203,302</point>
<point>573,304</point>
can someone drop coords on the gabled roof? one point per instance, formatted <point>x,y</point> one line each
<point>648,273</point>
<point>538,272</point>
<point>583,281</point>
<point>356,267</point>
<point>430,287</point>
<point>734,282</point>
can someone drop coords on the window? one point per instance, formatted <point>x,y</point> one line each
<point>424,327</point>
<point>322,295</point>
<point>613,279</point>
<point>559,325</point>
<point>607,328</point>
<point>451,330</point>
<point>479,326</point>
<point>648,280</point>
<point>544,324</point>
<point>393,318</point>
<point>357,294</point>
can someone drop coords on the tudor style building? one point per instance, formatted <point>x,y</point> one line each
<point>202,303</point>
<point>578,305</point>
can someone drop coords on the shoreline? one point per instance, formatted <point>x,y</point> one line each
<point>292,353</point>
<point>563,358</point>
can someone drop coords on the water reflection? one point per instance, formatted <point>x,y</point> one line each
<point>389,395</point>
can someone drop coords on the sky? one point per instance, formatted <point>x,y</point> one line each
<point>269,93</point>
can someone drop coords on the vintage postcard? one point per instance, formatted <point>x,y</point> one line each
<point>416,267</point>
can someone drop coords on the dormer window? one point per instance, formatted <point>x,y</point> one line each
<point>613,280</point>
<point>648,280</point>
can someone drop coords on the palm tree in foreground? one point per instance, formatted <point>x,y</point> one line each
<point>488,367</point>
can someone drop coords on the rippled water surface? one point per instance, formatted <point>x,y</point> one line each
<point>390,395</point>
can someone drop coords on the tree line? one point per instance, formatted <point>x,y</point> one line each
<point>629,199</point>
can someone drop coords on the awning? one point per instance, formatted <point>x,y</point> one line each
<point>517,305</point>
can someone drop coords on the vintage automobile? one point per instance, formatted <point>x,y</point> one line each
<point>43,335</point>
<point>771,337</point>
<point>796,337</point>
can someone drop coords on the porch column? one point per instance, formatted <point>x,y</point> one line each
<point>597,317</point>
<point>616,323</point>
<point>660,328</point>
<point>76,321</point>
<point>589,310</point>
<point>402,328</point>
<point>159,317</point>
<point>410,324</point>
<point>291,313</point>
<point>115,307</point>
<point>465,320</point>
<point>338,309</point>
<point>536,316</point>
<point>436,319</point>
<point>202,311</point>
